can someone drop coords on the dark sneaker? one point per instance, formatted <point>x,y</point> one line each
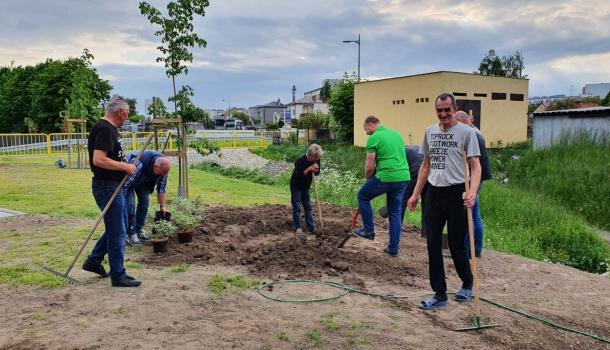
<point>133,239</point>
<point>360,232</point>
<point>143,237</point>
<point>392,254</point>
<point>95,268</point>
<point>126,281</point>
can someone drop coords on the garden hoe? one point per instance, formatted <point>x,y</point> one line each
<point>477,324</point>
<point>99,219</point>
<point>350,234</point>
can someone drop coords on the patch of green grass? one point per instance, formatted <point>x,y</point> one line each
<point>133,265</point>
<point>314,337</point>
<point>41,316</point>
<point>329,321</point>
<point>180,268</point>
<point>357,325</point>
<point>36,186</point>
<point>358,340</point>
<point>26,275</point>
<point>228,284</point>
<point>524,223</point>
<point>283,336</point>
<point>121,311</point>
<point>574,173</point>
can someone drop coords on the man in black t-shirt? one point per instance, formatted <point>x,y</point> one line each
<point>300,182</point>
<point>107,162</point>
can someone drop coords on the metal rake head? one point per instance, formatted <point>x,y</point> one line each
<point>476,325</point>
<point>64,276</point>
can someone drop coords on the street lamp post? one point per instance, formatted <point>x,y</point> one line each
<point>228,110</point>
<point>357,42</point>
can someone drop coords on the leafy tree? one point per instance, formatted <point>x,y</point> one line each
<point>177,34</point>
<point>158,108</point>
<point>491,65</point>
<point>325,92</point>
<point>508,66</point>
<point>243,117</point>
<point>132,102</point>
<point>42,91</point>
<point>341,107</point>
<point>136,118</point>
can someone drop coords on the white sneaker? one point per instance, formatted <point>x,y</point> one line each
<point>298,230</point>
<point>133,240</point>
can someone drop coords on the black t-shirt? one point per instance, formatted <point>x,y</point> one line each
<point>298,180</point>
<point>105,137</point>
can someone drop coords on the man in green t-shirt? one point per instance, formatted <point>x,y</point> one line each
<point>386,171</point>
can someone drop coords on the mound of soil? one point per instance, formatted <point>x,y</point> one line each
<point>262,239</point>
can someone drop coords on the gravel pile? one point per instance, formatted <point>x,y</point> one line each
<point>241,158</point>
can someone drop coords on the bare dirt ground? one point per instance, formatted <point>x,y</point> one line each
<point>176,310</point>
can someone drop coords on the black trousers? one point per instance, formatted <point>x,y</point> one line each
<point>445,205</point>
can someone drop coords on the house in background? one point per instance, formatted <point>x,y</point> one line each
<point>269,113</point>
<point>551,126</point>
<point>311,101</point>
<point>406,104</point>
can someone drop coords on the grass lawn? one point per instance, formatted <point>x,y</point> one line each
<point>36,186</point>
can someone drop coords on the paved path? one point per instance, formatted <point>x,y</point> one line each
<point>6,213</point>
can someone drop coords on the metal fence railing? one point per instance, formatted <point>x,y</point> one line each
<point>73,143</point>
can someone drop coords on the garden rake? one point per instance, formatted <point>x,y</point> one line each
<point>477,323</point>
<point>99,219</point>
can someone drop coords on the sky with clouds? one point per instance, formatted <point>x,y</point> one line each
<point>257,50</point>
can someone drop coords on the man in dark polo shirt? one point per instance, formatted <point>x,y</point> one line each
<point>107,162</point>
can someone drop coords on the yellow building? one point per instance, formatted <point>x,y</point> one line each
<point>406,104</point>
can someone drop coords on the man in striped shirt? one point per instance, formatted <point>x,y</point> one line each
<point>151,171</point>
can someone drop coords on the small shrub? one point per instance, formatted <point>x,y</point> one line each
<point>162,229</point>
<point>183,220</point>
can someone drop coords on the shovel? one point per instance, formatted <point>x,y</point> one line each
<point>349,234</point>
<point>477,323</point>
<point>99,219</point>
<point>315,189</point>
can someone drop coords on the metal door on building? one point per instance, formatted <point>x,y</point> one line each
<point>472,107</point>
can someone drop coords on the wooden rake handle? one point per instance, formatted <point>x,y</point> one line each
<point>475,268</point>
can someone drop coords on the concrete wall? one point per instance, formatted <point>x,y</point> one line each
<point>549,129</point>
<point>501,120</point>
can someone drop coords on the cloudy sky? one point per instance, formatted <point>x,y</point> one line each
<point>258,49</point>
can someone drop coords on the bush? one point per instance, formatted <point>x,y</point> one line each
<point>314,121</point>
<point>204,147</point>
<point>183,220</point>
<point>162,229</point>
<point>252,175</point>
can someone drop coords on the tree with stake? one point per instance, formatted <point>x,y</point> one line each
<point>177,36</point>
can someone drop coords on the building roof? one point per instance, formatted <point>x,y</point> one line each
<point>598,111</point>
<point>331,82</point>
<point>307,100</point>
<point>272,104</point>
<point>439,72</point>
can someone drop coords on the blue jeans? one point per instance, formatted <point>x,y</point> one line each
<point>477,223</point>
<point>136,217</point>
<point>372,188</point>
<point>301,196</point>
<point>112,242</point>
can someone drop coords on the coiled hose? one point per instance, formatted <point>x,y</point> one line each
<point>344,290</point>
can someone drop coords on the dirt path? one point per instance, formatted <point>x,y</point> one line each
<point>176,310</point>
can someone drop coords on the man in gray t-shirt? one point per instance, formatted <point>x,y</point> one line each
<point>443,148</point>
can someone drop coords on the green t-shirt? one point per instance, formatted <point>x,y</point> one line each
<point>390,158</point>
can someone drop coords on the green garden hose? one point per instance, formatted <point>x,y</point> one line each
<point>344,290</point>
